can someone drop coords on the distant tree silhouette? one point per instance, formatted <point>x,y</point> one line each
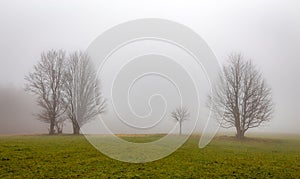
<point>180,114</point>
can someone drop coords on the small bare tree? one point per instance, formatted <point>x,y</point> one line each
<point>180,114</point>
<point>46,82</point>
<point>241,99</point>
<point>82,91</point>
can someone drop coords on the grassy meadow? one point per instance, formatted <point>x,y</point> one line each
<point>68,156</point>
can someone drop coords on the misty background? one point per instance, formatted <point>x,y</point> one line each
<point>268,32</point>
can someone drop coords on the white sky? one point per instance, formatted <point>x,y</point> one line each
<point>266,31</point>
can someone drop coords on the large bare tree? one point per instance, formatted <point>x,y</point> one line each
<point>46,82</point>
<point>241,98</point>
<point>82,91</point>
<point>180,114</point>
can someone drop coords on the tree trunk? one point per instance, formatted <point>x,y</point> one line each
<point>240,134</point>
<point>59,130</point>
<point>76,128</point>
<point>51,130</point>
<point>180,128</point>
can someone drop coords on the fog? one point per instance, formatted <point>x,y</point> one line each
<point>268,32</point>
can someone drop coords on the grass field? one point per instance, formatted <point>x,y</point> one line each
<point>73,157</point>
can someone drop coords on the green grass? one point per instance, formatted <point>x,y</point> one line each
<point>73,157</point>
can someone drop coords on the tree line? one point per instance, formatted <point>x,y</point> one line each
<point>67,88</point>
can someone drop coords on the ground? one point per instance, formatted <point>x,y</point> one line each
<point>69,156</point>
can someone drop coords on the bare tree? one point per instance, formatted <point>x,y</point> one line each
<point>82,91</point>
<point>46,82</point>
<point>180,114</point>
<point>59,124</point>
<point>241,99</point>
